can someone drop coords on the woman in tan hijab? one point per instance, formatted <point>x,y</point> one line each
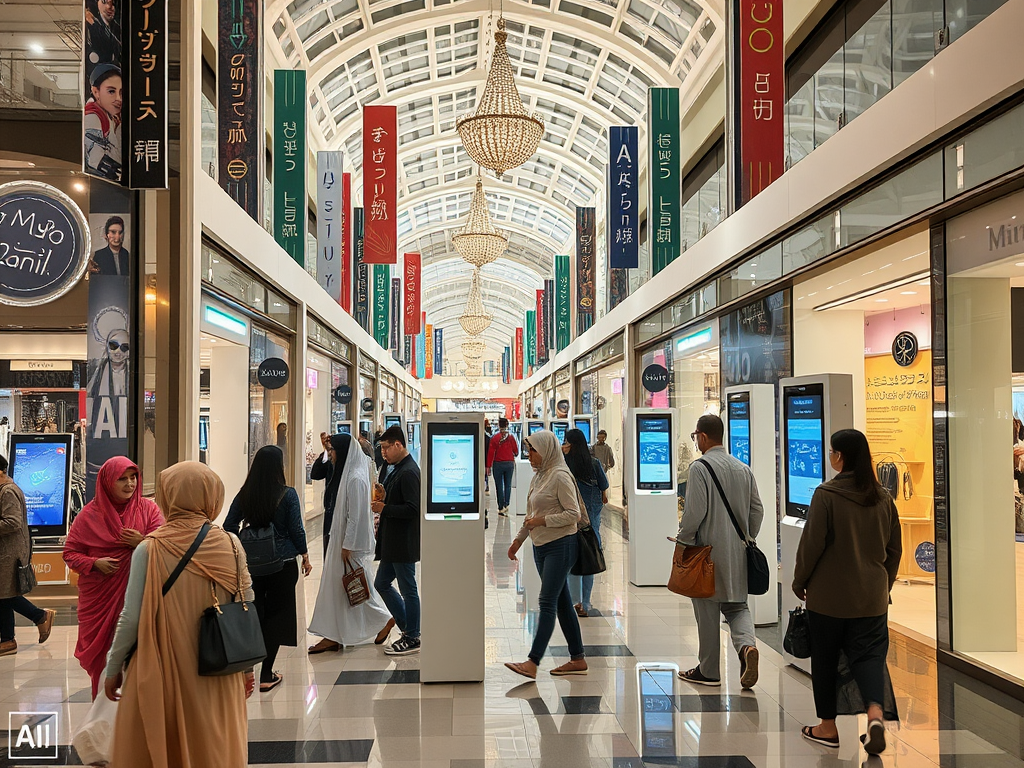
<point>169,716</point>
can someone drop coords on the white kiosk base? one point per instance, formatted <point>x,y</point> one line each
<point>521,480</point>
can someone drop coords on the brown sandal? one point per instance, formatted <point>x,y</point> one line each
<point>520,669</point>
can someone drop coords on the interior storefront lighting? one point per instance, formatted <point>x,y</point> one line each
<point>225,321</point>
<point>36,47</point>
<point>702,336</point>
<point>908,293</point>
<point>871,292</point>
<point>79,186</point>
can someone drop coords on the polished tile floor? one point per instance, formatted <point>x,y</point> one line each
<point>362,708</point>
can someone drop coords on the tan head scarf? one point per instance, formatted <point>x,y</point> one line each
<point>553,472</point>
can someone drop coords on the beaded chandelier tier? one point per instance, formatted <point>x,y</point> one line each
<point>473,349</point>
<point>478,241</point>
<point>501,134</point>
<point>474,319</point>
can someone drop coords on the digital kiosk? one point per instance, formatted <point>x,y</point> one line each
<point>559,428</point>
<point>585,424</point>
<point>750,437</point>
<point>414,430</point>
<point>343,428</point>
<point>40,465</point>
<point>366,426</point>
<point>394,420</point>
<point>524,472</point>
<point>811,409</point>
<point>652,448</point>
<point>452,538</point>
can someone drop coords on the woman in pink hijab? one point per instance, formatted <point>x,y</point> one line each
<point>99,549</point>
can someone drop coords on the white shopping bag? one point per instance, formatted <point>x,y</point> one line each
<point>94,738</point>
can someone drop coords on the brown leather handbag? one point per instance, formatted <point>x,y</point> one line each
<point>693,572</point>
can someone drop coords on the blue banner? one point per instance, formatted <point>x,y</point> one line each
<point>438,350</point>
<point>623,198</point>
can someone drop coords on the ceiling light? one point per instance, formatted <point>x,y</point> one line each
<point>36,47</point>
<point>79,186</point>
<point>871,291</point>
<point>479,242</point>
<point>881,301</point>
<point>908,293</point>
<point>1019,264</point>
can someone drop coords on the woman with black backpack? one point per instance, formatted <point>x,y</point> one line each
<point>272,536</point>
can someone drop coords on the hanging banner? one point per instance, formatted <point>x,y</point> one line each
<point>504,365</point>
<point>407,355</point>
<point>518,354</point>
<point>563,313</point>
<point>380,183</point>
<point>438,350</point>
<point>346,242</point>
<point>618,287</point>
<point>530,339</point>
<point>586,258</point>
<point>549,319</point>
<point>540,348</point>
<point>428,352</point>
<point>381,303</point>
<point>361,289</point>
<point>329,224</point>
<point>413,266</point>
<point>104,88</point>
<point>145,119</point>
<point>396,313</point>
<point>290,162</point>
<point>663,169</point>
<point>240,104</point>
<point>421,348</point>
<point>761,95</point>
<point>623,198</point>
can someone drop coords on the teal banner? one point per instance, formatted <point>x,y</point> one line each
<point>531,338</point>
<point>663,176</point>
<point>381,303</point>
<point>290,162</point>
<point>563,328</point>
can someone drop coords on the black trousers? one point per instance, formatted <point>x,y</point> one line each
<point>865,641</point>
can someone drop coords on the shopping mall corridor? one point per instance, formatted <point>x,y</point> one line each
<point>361,708</point>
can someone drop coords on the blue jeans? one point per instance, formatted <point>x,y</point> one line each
<point>581,587</point>
<point>404,607</point>
<point>19,604</point>
<point>553,563</point>
<point>503,481</point>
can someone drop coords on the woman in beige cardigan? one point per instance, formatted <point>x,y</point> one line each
<point>553,511</point>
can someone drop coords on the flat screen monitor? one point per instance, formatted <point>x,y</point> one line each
<point>584,426</point>
<point>366,427</point>
<point>738,413</point>
<point>534,426</point>
<point>204,433</point>
<point>560,428</point>
<point>392,421</point>
<point>454,460</point>
<point>516,430</point>
<point>415,429</point>
<point>805,445</point>
<point>343,428</point>
<point>41,467</point>
<point>654,452</point>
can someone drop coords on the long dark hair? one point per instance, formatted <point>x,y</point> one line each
<point>261,492</point>
<point>856,453</point>
<point>580,462</point>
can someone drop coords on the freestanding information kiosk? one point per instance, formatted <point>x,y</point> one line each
<point>452,539</point>
<point>750,437</point>
<point>559,428</point>
<point>811,408</point>
<point>414,429</point>
<point>651,454</point>
<point>394,420</point>
<point>585,424</point>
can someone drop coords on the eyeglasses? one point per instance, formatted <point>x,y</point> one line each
<point>114,346</point>
<point>693,435</point>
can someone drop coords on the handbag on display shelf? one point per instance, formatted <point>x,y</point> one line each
<point>693,572</point>
<point>354,582</point>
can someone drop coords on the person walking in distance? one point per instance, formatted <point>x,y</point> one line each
<point>502,451</point>
<point>602,451</point>
<point>706,522</point>
<point>398,541</point>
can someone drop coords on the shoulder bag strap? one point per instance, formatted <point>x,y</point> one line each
<point>186,558</point>
<point>721,493</point>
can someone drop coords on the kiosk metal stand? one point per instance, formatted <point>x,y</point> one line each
<point>452,568</point>
<point>651,450</point>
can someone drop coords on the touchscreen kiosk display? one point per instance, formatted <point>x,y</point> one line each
<point>583,425</point>
<point>41,467</point>
<point>653,452</point>
<point>366,427</point>
<point>805,443</point>
<point>454,471</point>
<point>415,429</point>
<point>344,428</point>
<point>534,426</point>
<point>560,428</point>
<point>392,421</point>
<point>739,426</point>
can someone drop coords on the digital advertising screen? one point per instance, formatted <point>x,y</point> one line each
<point>559,428</point>
<point>653,452</point>
<point>805,446</point>
<point>584,426</point>
<point>415,430</point>
<point>367,427</point>
<point>738,412</point>
<point>41,467</point>
<point>534,426</point>
<point>454,463</point>
<point>343,428</point>
<point>392,420</point>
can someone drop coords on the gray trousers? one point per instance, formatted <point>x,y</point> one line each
<point>709,633</point>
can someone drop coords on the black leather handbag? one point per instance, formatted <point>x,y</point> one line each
<point>797,641</point>
<point>589,554</point>
<point>230,637</point>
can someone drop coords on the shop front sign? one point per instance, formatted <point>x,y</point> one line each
<point>342,394</point>
<point>44,244</point>
<point>756,341</point>
<point>905,348</point>
<point>366,405</point>
<point>272,373</point>
<point>655,378</point>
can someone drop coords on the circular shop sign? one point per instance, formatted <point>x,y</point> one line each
<point>655,378</point>
<point>905,349</point>
<point>272,373</point>
<point>45,243</point>
<point>343,394</point>
<point>924,555</point>
<point>366,404</point>
<point>562,407</point>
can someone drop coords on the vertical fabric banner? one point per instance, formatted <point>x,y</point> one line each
<point>563,313</point>
<point>623,198</point>
<point>664,183</point>
<point>144,121</point>
<point>361,289</point>
<point>504,365</point>
<point>428,351</point>
<point>380,183</point>
<point>761,95</point>
<point>396,313</point>
<point>381,303</point>
<point>421,348</point>
<point>549,318</point>
<point>346,242</point>
<point>540,346</point>
<point>329,223</point>
<point>413,266</point>
<point>290,162</point>
<point>438,350</point>
<point>240,103</point>
<point>518,354</point>
<point>407,357</point>
<point>618,287</point>
<point>530,339</point>
<point>586,258</point>
<point>104,88</point>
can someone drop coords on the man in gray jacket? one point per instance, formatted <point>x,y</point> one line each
<point>706,522</point>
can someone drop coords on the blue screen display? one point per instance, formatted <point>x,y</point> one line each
<point>40,470</point>
<point>805,469</point>
<point>739,429</point>
<point>654,460</point>
<point>452,468</point>
<point>535,426</point>
<point>560,428</point>
<point>583,425</point>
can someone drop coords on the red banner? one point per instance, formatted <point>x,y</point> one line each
<point>517,353</point>
<point>412,293</point>
<point>429,352</point>
<point>346,242</point>
<point>380,184</point>
<point>762,94</point>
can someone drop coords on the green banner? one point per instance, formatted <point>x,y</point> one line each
<point>563,329</point>
<point>663,176</point>
<point>531,338</point>
<point>290,162</point>
<point>381,303</point>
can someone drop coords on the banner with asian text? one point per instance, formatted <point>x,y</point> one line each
<point>290,162</point>
<point>623,225</point>
<point>380,183</point>
<point>240,103</point>
<point>428,352</point>
<point>396,314</point>
<point>549,319</point>
<point>518,356</point>
<point>329,223</point>
<point>664,184</point>
<point>413,266</point>
<point>421,348</point>
<point>381,303</point>
<point>563,312</point>
<point>761,95</point>
<point>530,339</point>
<point>540,348</point>
<point>586,259</point>
<point>438,350</point>
<point>144,122</point>
<point>361,287</point>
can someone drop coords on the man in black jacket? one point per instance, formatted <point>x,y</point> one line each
<point>398,541</point>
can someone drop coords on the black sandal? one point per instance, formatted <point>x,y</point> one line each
<point>268,687</point>
<point>874,739</point>
<point>808,733</point>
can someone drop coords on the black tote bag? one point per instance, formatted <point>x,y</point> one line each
<point>589,554</point>
<point>230,637</point>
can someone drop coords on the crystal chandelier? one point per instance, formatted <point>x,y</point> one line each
<point>478,241</point>
<point>474,320</point>
<point>473,349</point>
<point>501,134</point>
